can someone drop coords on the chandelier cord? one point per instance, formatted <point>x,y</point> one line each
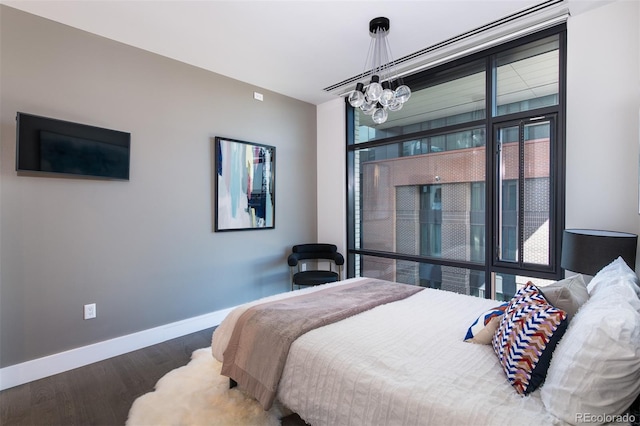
<point>390,62</point>
<point>367,67</point>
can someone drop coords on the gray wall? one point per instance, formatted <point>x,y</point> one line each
<point>603,118</point>
<point>143,250</point>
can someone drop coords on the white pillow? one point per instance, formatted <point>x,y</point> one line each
<point>615,272</point>
<point>595,369</point>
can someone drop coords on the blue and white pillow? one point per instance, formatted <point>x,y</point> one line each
<point>483,328</point>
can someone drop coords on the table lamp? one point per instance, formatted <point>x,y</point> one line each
<point>586,251</point>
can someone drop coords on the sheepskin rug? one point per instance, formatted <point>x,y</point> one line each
<point>197,394</point>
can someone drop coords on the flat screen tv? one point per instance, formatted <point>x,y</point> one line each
<point>51,147</point>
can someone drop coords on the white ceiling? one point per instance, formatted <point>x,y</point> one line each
<point>295,48</point>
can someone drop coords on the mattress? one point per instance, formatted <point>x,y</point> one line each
<point>403,363</point>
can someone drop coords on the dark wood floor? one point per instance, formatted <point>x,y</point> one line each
<point>100,393</point>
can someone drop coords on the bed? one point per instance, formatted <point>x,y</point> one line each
<point>406,362</point>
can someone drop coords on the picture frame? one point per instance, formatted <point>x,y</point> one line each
<point>244,185</point>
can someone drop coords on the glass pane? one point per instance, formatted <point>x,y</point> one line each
<point>459,98</point>
<point>527,77</point>
<point>477,222</point>
<point>508,172</point>
<point>459,280</point>
<point>537,193</point>
<point>507,285</point>
<point>423,204</point>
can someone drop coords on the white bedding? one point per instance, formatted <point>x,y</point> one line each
<point>403,363</point>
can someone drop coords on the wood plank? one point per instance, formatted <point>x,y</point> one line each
<point>100,393</point>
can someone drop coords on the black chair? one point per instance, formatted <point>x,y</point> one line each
<point>307,254</point>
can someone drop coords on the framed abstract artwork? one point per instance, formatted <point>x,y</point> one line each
<point>244,185</point>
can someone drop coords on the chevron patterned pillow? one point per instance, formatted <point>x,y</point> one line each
<point>528,333</point>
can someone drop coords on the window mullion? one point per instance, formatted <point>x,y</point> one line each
<point>491,249</point>
<point>521,194</point>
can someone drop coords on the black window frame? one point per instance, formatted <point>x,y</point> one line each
<point>435,75</point>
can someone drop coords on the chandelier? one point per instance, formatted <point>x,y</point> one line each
<point>386,91</point>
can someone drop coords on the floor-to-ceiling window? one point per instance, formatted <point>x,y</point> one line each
<point>463,189</point>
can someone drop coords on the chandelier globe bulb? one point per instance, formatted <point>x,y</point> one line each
<point>368,107</point>
<point>356,98</point>
<point>374,90</point>
<point>395,106</point>
<point>380,115</point>
<point>388,96</point>
<point>403,93</point>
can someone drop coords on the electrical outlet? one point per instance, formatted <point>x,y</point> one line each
<point>90,311</point>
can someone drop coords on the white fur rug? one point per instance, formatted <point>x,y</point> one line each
<point>197,394</point>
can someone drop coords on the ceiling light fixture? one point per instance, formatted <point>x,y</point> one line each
<point>386,91</point>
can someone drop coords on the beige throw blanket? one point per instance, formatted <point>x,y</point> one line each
<point>260,341</point>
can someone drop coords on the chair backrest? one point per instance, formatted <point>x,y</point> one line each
<point>317,251</point>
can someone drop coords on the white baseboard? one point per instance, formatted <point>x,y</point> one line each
<point>29,371</point>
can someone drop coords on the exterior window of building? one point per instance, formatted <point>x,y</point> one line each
<point>445,195</point>
<point>477,236</point>
<point>476,222</point>
<point>508,220</point>
<point>524,199</point>
<point>431,233</point>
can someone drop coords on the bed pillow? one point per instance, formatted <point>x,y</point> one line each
<point>568,294</point>
<point>526,337</point>
<point>596,367</point>
<point>484,327</point>
<point>616,272</point>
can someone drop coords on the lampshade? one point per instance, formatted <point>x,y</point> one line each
<point>586,251</point>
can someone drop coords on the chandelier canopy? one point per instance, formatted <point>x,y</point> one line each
<point>386,91</point>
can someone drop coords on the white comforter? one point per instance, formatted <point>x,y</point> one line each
<point>403,363</point>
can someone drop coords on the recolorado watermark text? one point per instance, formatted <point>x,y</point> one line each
<point>605,418</point>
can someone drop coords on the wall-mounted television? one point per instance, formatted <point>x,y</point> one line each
<point>52,147</point>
